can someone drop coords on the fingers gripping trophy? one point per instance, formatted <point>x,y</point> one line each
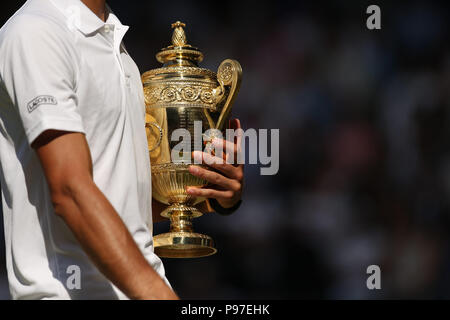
<point>178,95</point>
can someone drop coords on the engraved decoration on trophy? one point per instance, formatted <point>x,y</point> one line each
<point>177,95</point>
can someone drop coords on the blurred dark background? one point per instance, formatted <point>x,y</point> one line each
<point>364,154</point>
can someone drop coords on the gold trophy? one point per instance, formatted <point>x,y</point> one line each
<point>178,95</point>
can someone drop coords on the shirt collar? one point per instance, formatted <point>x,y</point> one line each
<point>79,16</point>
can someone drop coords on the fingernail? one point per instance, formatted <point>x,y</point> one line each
<point>193,169</point>
<point>190,190</point>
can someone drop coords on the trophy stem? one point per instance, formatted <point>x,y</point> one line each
<point>182,241</point>
<point>181,221</point>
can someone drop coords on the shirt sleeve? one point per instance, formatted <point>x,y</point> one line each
<point>39,70</point>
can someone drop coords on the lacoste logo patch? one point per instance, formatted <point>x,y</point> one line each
<point>38,101</point>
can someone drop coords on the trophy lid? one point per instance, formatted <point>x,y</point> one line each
<point>179,53</point>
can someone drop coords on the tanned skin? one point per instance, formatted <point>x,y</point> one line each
<point>67,164</point>
<point>226,181</point>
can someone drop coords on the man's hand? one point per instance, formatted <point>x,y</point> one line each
<point>67,164</point>
<point>227,180</point>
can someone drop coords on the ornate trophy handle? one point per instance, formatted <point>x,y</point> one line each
<point>157,126</point>
<point>229,74</point>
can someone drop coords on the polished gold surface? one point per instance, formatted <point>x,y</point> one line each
<point>176,95</point>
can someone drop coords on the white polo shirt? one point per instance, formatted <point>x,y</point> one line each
<point>63,68</point>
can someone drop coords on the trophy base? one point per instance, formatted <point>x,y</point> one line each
<point>183,245</point>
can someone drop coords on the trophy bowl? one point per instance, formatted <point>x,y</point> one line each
<point>181,95</point>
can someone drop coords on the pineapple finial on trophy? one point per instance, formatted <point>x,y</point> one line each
<point>179,36</point>
<point>179,52</point>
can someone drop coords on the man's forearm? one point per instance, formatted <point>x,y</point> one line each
<point>108,242</point>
